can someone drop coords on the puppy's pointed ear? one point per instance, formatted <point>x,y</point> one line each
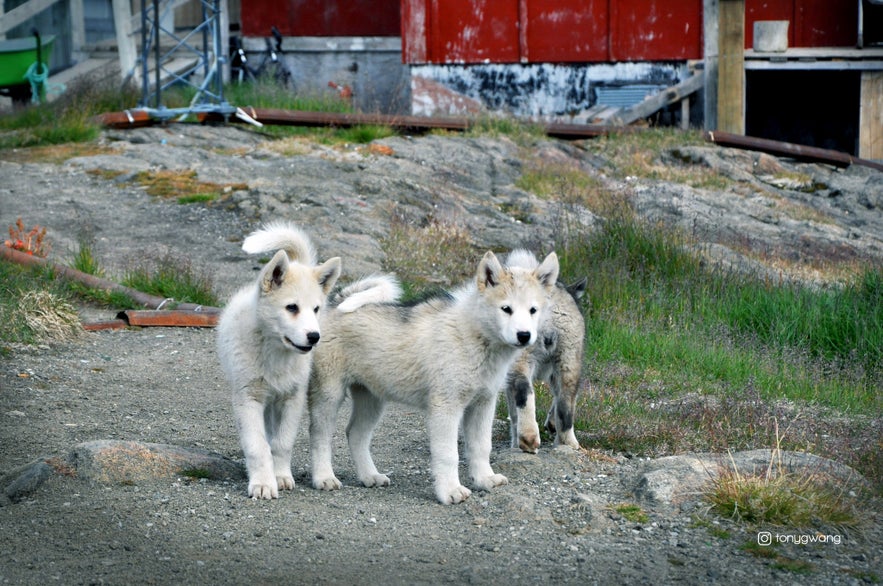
<point>273,273</point>
<point>578,289</point>
<point>490,271</point>
<point>327,273</point>
<point>547,272</point>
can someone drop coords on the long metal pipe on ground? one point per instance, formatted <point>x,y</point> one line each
<point>136,118</point>
<point>789,149</point>
<point>184,314</point>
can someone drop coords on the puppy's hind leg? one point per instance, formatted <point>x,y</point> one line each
<point>560,418</point>
<point>367,411</point>
<point>324,401</point>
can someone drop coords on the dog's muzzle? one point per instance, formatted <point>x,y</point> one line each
<point>300,348</point>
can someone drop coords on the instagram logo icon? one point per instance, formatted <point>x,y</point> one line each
<point>764,538</point>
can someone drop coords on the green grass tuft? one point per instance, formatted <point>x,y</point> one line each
<point>171,277</point>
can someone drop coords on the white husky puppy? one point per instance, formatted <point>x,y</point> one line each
<point>265,337</point>
<point>447,355</point>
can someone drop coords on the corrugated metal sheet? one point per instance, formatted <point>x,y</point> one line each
<point>625,95</point>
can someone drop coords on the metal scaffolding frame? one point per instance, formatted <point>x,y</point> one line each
<point>202,45</point>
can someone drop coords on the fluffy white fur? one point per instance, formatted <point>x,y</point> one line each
<point>447,356</point>
<point>264,340</point>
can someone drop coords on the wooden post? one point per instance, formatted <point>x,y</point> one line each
<point>710,22</point>
<point>224,29</point>
<point>78,31</point>
<point>731,67</point>
<point>871,116</point>
<point>122,19</point>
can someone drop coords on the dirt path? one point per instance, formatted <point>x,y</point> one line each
<point>556,522</point>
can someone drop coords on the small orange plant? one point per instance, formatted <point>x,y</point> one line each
<point>31,242</point>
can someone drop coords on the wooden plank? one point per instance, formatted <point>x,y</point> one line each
<point>657,101</point>
<point>710,23</point>
<point>78,30</point>
<point>92,69</point>
<point>122,16</point>
<point>870,134</point>
<point>21,13</point>
<point>731,67</point>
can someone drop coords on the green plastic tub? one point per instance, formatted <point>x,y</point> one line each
<point>17,55</point>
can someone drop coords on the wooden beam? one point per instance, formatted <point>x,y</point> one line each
<point>78,31</point>
<point>870,133</point>
<point>731,67</point>
<point>710,21</point>
<point>126,47</point>
<point>23,12</point>
<point>658,100</point>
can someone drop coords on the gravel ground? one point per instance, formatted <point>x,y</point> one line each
<point>555,522</point>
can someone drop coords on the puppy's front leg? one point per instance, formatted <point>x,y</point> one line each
<point>478,421</point>
<point>287,414</point>
<point>249,413</point>
<point>443,424</point>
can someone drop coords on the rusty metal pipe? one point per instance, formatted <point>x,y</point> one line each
<point>144,299</point>
<point>344,120</point>
<point>788,149</point>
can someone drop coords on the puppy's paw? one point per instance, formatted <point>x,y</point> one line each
<point>259,491</point>
<point>375,480</point>
<point>568,438</point>
<point>329,483</point>
<point>285,482</point>
<point>529,443</point>
<point>453,496</point>
<point>489,482</point>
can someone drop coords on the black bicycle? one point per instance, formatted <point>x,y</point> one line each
<point>271,67</point>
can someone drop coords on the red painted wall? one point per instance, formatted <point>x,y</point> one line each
<point>532,31</point>
<point>814,23</point>
<point>322,18</point>
<point>511,31</point>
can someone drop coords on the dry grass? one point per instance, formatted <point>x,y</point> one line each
<point>428,253</point>
<point>48,317</point>
<point>183,185</point>
<point>781,497</point>
<point>55,154</point>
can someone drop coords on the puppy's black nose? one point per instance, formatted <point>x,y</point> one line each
<point>313,338</point>
<point>523,338</point>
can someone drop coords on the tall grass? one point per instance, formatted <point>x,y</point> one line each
<point>682,355</point>
<point>655,303</point>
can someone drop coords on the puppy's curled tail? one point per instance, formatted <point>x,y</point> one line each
<point>373,289</point>
<point>281,236</point>
<point>523,259</point>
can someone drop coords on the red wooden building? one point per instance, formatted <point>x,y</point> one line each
<point>564,58</point>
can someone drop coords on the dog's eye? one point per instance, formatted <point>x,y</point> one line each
<point>292,308</point>
<point>507,310</point>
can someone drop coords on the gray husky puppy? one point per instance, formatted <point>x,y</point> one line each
<point>556,359</point>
